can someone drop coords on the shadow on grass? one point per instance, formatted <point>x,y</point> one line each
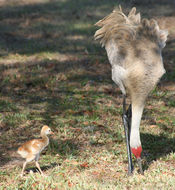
<point>37,87</point>
<point>60,26</point>
<point>43,168</point>
<point>65,27</point>
<point>156,147</point>
<point>47,27</point>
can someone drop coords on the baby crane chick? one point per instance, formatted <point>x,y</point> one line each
<point>31,149</point>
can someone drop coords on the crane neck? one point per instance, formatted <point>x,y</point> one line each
<point>45,137</point>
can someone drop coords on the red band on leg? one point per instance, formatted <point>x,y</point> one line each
<point>137,151</point>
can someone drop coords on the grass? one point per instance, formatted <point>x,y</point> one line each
<point>54,73</point>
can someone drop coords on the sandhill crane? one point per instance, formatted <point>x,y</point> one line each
<point>133,48</point>
<point>31,149</point>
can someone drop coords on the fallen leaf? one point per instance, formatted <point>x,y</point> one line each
<point>84,165</point>
<point>70,184</point>
<point>95,173</point>
<point>160,121</point>
<point>153,126</point>
<point>86,123</point>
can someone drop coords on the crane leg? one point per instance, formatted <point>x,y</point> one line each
<point>139,161</point>
<point>127,114</point>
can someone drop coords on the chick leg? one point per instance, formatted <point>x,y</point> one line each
<point>38,166</point>
<point>23,168</point>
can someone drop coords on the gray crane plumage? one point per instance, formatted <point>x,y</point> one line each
<point>133,47</point>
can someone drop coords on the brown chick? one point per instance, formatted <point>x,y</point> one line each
<point>31,149</point>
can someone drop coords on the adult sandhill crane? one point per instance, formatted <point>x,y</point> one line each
<point>31,149</point>
<point>133,48</point>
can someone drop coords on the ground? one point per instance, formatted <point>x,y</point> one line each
<point>54,73</point>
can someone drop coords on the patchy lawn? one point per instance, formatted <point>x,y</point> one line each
<point>54,73</point>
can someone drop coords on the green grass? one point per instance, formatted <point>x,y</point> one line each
<point>54,73</point>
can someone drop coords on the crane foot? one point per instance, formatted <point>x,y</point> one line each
<point>139,161</point>
<point>130,171</point>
